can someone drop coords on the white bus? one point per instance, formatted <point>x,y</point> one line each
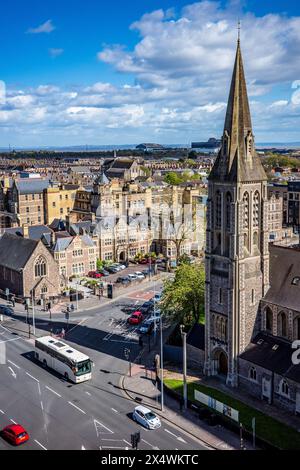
<point>72,364</point>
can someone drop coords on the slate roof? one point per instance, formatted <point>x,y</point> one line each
<point>274,354</point>
<point>31,185</point>
<point>284,267</point>
<point>35,231</point>
<point>15,251</point>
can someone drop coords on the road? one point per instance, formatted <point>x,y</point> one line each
<point>91,415</point>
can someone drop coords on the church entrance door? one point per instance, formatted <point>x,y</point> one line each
<point>223,365</point>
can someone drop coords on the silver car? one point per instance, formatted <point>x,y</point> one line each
<point>146,417</point>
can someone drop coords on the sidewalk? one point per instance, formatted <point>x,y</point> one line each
<point>141,388</point>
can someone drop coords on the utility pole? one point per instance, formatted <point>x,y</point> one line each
<point>33,311</point>
<point>161,364</point>
<point>183,335</point>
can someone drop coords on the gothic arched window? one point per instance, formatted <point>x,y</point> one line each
<point>282,324</point>
<point>269,319</point>
<point>218,209</point>
<point>256,209</point>
<point>255,239</point>
<point>228,210</point>
<point>252,373</point>
<point>246,210</point>
<point>40,267</point>
<point>284,388</point>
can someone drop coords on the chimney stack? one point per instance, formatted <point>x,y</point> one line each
<point>25,229</point>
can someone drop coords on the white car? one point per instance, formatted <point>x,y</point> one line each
<point>146,417</point>
<point>122,266</point>
<point>132,277</point>
<point>157,297</point>
<point>139,275</point>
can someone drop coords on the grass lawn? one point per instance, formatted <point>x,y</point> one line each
<point>267,428</point>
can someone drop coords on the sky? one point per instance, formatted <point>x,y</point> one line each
<point>125,72</point>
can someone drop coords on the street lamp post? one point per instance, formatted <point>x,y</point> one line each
<point>183,335</point>
<point>33,312</point>
<point>161,364</point>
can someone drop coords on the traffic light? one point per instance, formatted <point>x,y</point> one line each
<point>135,439</point>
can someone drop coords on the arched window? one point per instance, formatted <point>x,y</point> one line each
<point>218,209</point>
<point>212,329</point>
<point>44,290</point>
<point>269,319</point>
<point>246,210</point>
<point>246,241</point>
<point>252,374</point>
<point>284,388</point>
<point>296,328</point>
<point>217,332</point>
<point>40,268</point>
<point>228,210</point>
<point>255,239</point>
<point>282,324</point>
<point>256,209</point>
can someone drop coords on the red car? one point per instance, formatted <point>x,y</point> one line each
<point>136,318</point>
<point>95,275</point>
<point>15,434</point>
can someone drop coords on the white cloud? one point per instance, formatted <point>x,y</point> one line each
<point>46,27</point>
<point>55,52</point>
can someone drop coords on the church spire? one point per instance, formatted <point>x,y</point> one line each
<point>237,159</point>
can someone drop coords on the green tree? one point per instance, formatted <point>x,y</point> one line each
<point>99,264</point>
<point>173,178</point>
<point>183,296</point>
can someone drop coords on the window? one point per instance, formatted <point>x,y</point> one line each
<point>256,209</point>
<point>218,210</point>
<point>252,374</point>
<point>44,290</point>
<point>228,210</point>
<point>269,319</point>
<point>39,208</point>
<point>27,209</point>
<point>282,324</point>
<point>252,296</point>
<point>246,210</point>
<point>54,204</point>
<point>284,388</point>
<point>40,268</point>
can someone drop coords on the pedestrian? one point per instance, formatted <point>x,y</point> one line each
<point>72,307</point>
<point>63,333</point>
<point>13,300</point>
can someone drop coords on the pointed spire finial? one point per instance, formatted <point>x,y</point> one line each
<point>239,30</point>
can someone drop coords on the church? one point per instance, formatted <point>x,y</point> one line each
<point>252,298</point>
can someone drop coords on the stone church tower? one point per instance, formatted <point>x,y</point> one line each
<point>237,257</point>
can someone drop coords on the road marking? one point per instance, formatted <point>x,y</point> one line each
<point>53,391</point>
<point>2,412</point>
<point>78,324</point>
<point>41,445</point>
<point>77,407</point>
<point>12,363</point>
<point>88,393</point>
<point>12,339</point>
<point>99,426</point>
<point>13,421</point>
<point>83,448</point>
<point>126,442</point>
<point>13,372</point>
<point>42,406</point>
<point>177,437</point>
<point>31,376</point>
<point>148,443</point>
<point>110,447</point>
<point>115,411</point>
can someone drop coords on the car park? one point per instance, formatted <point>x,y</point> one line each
<point>135,318</point>
<point>116,266</point>
<point>146,272</point>
<point>104,272</point>
<point>146,417</point>
<point>112,269</point>
<point>146,307</point>
<point>157,297</point>
<point>15,434</point>
<point>122,266</point>
<point>132,277</point>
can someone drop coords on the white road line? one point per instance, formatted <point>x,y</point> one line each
<point>2,412</point>
<point>53,391</point>
<point>110,447</point>
<point>42,406</point>
<point>99,426</point>
<point>7,340</point>
<point>115,411</point>
<point>88,393</point>
<point>41,445</point>
<point>13,372</point>
<point>148,444</point>
<point>13,421</point>
<point>126,442</point>
<point>31,376</point>
<point>11,362</point>
<point>77,407</point>
<point>178,438</point>
<point>78,324</point>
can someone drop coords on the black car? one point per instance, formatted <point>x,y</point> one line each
<point>147,307</point>
<point>112,269</point>
<point>5,310</point>
<point>123,280</point>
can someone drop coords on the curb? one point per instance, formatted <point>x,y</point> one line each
<point>158,412</point>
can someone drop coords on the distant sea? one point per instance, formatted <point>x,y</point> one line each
<point>93,148</point>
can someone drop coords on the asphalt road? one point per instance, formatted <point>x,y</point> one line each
<point>91,415</point>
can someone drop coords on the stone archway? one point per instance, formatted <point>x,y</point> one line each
<point>221,362</point>
<point>122,256</point>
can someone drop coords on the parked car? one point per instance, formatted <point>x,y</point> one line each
<point>15,434</point>
<point>116,266</point>
<point>144,261</point>
<point>5,310</point>
<point>146,272</point>
<point>157,297</point>
<point>147,326</point>
<point>112,269</point>
<point>104,272</point>
<point>132,277</point>
<point>146,307</point>
<point>146,417</point>
<point>122,266</point>
<point>95,274</point>
<point>139,275</point>
<point>123,280</point>
<point>135,318</point>
<point>155,316</point>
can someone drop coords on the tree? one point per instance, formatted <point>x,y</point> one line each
<point>183,296</point>
<point>173,178</point>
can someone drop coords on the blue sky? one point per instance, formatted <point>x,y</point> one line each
<point>116,72</point>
